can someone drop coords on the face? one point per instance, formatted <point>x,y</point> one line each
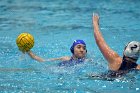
<point>80,51</point>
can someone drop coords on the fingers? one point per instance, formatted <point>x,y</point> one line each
<point>95,15</point>
<point>95,18</point>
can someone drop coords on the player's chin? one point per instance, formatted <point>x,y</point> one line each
<point>81,55</point>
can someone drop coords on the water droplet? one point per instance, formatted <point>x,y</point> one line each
<point>137,89</point>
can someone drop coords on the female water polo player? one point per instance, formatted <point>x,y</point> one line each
<point>115,62</point>
<point>78,50</point>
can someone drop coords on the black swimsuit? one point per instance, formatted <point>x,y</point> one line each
<point>126,65</point>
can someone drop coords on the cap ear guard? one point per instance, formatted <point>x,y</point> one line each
<point>72,50</point>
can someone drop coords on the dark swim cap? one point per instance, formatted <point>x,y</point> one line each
<point>76,42</point>
<point>132,49</point>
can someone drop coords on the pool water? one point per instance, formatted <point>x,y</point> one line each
<point>55,24</point>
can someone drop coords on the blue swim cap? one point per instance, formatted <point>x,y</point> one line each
<point>76,42</point>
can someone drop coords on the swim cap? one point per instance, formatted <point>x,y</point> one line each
<point>132,49</point>
<point>76,42</point>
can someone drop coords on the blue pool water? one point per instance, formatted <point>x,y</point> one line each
<point>54,25</point>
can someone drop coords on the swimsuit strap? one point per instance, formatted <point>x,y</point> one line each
<point>77,60</point>
<point>127,65</point>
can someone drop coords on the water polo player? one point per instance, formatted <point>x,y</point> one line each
<point>115,62</point>
<point>78,50</point>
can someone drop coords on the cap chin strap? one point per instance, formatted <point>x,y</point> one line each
<point>130,59</point>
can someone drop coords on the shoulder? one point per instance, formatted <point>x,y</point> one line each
<point>65,58</point>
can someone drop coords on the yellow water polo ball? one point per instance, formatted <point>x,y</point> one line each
<point>25,42</point>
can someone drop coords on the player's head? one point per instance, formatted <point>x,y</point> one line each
<point>78,48</point>
<point>132,50</point>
